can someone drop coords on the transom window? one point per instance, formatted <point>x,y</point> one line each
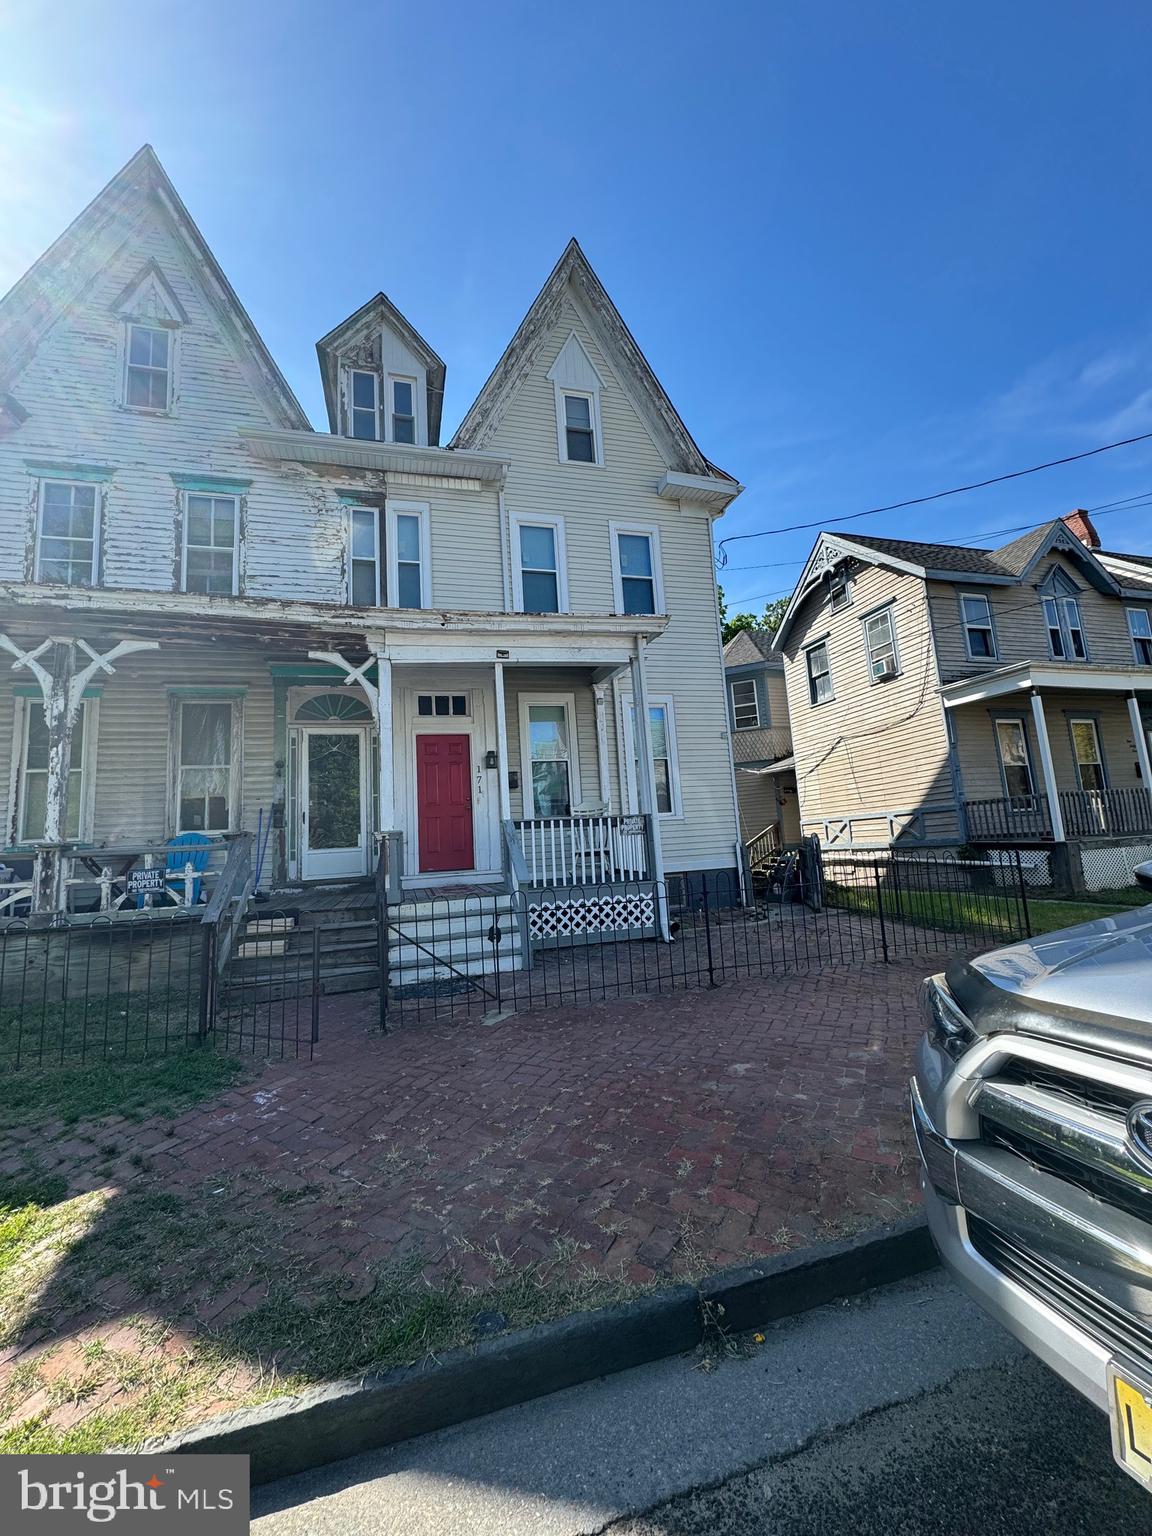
<point>403,410</point>
<point>148,368</point>
<point>1065,630</point>
<point>33,799</point>
<point>205,788</point>
<point>745,703</point>
<point>637,571</point>
<point>880,643</point>
<point>365,404</point>
<point>68,544</point>
<point>979,635</point>
<point>211,524</point>
<point>1140,628</point>
<point>1015,763</point>
<point>442,704</point>
<point>819,674</point>
<point>579,429</point>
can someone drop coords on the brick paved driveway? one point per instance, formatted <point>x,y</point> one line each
<point>650,1136</point>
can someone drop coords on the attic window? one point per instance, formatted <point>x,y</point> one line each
<point>403,410</point>
<point>364,407</point>
<point>147,368</point>
<point>579,430</point>
<point>839,591</point>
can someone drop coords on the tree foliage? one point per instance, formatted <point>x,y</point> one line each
<point>733,624</point>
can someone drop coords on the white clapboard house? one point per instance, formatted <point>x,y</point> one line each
<point>496,658</point>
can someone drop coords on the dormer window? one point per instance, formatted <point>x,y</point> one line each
<point>364,408</point>
<point>402,410</point>
<point>148,368</point>
<point>1065,630</point>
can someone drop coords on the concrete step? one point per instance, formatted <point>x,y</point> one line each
<point>474,950</point>
<point>411,973</point>
<point>445,926</point>
<point>450,906</point>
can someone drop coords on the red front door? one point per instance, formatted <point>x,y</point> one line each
<point>444,802</point>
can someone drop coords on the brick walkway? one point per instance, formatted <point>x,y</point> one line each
<point>659,1135</point>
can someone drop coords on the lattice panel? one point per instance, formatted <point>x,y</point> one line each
<point>1110,868</point>
<point>592,914</point>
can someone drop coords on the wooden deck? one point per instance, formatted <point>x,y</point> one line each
<point>338,896</point>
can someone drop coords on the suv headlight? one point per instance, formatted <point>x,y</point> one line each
<point>947,1027</point>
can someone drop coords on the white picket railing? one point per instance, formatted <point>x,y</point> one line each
<point>584,850</point>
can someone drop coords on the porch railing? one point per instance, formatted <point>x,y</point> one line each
<point>584,850</point>
<point>764,847</point>
<point>1085,813</point>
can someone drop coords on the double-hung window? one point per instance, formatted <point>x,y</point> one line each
<point>636,570</point>
<point>551,772</point>
<point>402,409</point>
<point>745,703</point>
<point>148,368</point>
<point>880,643</point>
<point>364,557</point>
<point>1089,756</point>
<point>206,765</point>
<point>819,673</point>
<point>388,562</point>
<point>1065,630</point>
<point>662,739</point>
<point>1140,628</point>
<point>1015,763</point>
<point>540,582</point>
<point>579,429</point>
<point>69,534</point>
<point>211,529</point>
<point>32,800</point>
<point>979,634</point>
<point>364,404</point>
<point>839,591</point>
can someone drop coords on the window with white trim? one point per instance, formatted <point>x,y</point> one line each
<point>363,404</point>
<point>402,410</point>
<point>1140,629</point>
<point>211,537</point>
<point>979,634</point>
<point>1065,629</point>
<point>662,736</point>
<point>551,772</point>
<point>880,644</point>
<point>206,753</point>
<point>1015,763</point>
<point>32,789</point>
<point>409,576</point>
<point>539,572</point>
<point>745,703</point>
<point>580,445</point>
<point>364,557</point>
<point>839,591</point>
<point>1088,754</point>
<point>68,543</point>
<point>819,673</point>
<point>636,569</point>
<point>147,367</point>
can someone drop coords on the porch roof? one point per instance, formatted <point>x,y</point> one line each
<point>1028,676</point>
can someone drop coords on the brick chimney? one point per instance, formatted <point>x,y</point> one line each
<point>1081,525</point>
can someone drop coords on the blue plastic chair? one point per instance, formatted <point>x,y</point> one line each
<point>189,848</point>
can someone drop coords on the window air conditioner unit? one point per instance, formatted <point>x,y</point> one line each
<point>884,669</point>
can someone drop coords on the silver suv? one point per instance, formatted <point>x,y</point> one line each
<point>1032,1100</point>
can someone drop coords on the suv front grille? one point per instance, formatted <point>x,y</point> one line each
<point>1105,1186</point>
<point>1083,1092</point>
<point>1109,1325</point>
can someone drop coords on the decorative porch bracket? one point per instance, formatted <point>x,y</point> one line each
<point>62,688</point>
<point>379,696</point>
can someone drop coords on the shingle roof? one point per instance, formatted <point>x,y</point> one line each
<point>951,557</point>
<point>760,639</point>
<point>1116,554</point>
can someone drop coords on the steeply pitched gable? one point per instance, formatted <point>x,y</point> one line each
<point>94,238</point>
<point>362,329</point>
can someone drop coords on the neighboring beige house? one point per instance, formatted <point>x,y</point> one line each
<point>761,743</point>
<point>942,694</point>
<point>500,653</point>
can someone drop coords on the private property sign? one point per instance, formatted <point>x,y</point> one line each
<point>64,1495</point>
<point>145,882</point>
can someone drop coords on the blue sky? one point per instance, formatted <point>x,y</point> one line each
<point>871,250</point>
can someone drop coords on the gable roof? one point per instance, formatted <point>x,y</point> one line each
<point>752,645</point>
<point>947,557</point>
<point>379,311</point>
<point>616,340</point>
<point>56,279</point>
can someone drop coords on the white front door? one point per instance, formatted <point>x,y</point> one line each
<point>334,802</point>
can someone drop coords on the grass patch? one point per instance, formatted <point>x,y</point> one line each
<point>162,1085</point>
<point>985,917</point>
<point>93,1024</point>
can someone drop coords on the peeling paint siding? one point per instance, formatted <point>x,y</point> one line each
<point>685,662</point>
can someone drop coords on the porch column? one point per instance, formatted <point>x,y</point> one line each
<point>502,744</point>
<point>646,781</point>
<point>62,684</point>
<point>1140,737</point>
<point>599,691</point>
<point>1047,768</point>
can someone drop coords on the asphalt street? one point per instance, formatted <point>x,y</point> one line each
<point>905,1411</point>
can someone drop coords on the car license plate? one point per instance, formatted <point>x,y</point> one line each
<point>1130,1409</point>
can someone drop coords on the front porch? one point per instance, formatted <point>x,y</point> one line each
<point>1053,754</point>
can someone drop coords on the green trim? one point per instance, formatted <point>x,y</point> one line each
<point>45,469</point>
<point>32,691</point>
<point>227,485</point>
<point>306,671</point>
<point>236,691</point>
<point>367,502</point>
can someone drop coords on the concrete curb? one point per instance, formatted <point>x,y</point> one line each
<point>325,1424</point>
